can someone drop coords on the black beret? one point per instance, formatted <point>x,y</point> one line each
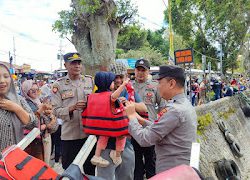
<point>170,71</point>
<point>69,57</point>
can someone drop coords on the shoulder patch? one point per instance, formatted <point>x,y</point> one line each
<point>88,76</point>
<point>55,88</point>
<point>163,111</point>
<point>60,79</point>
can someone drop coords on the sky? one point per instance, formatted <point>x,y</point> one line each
<point>27,24</point>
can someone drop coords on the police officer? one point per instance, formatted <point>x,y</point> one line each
<point>175,130</point>
<point>69,95</point>
<point>147,89</point>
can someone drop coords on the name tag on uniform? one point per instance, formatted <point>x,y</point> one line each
<point>67,94</point>
<point>87,89</point>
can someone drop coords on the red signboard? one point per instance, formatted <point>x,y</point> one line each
<point>183,56</point>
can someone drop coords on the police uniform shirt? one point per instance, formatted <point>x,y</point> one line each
<point>66,93</point>
<point>150,96</point>
<point>172,135</point>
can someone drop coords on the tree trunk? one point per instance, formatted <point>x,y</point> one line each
<point>95,38</point>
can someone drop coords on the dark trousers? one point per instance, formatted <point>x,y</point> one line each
<point>70,149</point>
<point>56,139</point>
<point>148,166</point>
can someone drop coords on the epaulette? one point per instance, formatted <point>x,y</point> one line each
<point>89,76</point>
<point>59,79</point>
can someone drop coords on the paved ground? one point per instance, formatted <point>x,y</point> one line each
<point>59,168</point>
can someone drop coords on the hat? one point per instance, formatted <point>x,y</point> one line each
<point>118,68</point>
<point>69,57</point>
<point>170,71</point>
<point>142,63</point>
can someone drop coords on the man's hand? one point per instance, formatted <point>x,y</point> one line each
<point>130,110</point>
<point>80,105</point>
<point>140,119</point>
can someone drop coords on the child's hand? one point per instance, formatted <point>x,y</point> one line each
<point>123,100</point>
<point>126,81</point>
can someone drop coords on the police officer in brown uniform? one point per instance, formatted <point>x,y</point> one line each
<point>69,99</point>
<point>147,89</point>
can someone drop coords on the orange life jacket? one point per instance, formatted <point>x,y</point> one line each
<point>100,119</point>
<point>3,173</point>
<point>20,165</point>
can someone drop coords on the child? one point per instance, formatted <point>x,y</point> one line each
<point>105,83</point>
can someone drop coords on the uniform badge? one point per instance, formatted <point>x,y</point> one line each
<point>149,94</point>
<point>75,56</point>
<point>148,100</point>
<point>141,62</point>
<point>67,94</point>
<point>55,89</point>
<point>67,81</point>
<point>160,114</point>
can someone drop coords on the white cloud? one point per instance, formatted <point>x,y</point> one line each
<point>30,22</point>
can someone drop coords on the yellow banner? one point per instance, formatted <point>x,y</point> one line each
<point>171,34</point>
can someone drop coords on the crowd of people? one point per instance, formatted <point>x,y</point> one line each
<point>144,127</point>
<point>215,88</point>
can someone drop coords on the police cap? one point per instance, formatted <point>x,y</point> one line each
<point>142,63</point>
<point>170,71</point>
<point>69,57</point>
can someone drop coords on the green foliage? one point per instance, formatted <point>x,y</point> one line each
<point>203,122</point>
<point>65,25</point>
<point>179,42</point>
<point>210,95</point>
<point>205,24</point>
<point>225,115</point>
<point>123,12</point>
<point>118,52</point>
<point>154,56</point>
<point>131,37</point>
<point>157,41</point>
<point>89,6</point>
